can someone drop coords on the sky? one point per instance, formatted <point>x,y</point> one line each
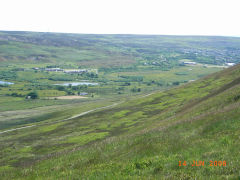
<point>166,17</point>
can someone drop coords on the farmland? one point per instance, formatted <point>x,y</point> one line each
<point>126,64</point>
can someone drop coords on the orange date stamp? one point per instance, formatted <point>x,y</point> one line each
<point>196,163</point>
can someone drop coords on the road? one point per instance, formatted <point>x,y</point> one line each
<point>75,116</point>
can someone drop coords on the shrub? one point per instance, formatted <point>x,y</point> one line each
<point>176,83</point>
<point>33,95</point>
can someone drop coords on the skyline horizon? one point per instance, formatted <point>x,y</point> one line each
<point>144,34</point>
<point>150,17</point>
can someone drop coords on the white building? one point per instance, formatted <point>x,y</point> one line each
<point>189,63</point>
<point>230,64</point>
<point>53,69</point>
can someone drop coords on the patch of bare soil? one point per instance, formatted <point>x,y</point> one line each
<point>69,97</point>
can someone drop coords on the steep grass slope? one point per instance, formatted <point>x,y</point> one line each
<point>142,138</point>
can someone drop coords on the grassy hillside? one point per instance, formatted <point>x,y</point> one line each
<point>142,138</point>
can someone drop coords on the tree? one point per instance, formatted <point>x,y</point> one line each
<point>33,95</point>
<point>176,83</point>
<point>70,93</point>
<point>60,88</point>
<point>134,89</point>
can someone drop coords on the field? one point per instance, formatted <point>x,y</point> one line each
<point>148,112</point>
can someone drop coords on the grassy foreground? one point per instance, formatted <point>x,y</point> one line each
<point>143,138</point>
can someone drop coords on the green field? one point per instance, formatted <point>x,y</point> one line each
<point>139,122</point>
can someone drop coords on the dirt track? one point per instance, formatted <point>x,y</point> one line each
<point>78,115</point>
<point>75,116</point>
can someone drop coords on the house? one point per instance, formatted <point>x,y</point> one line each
<point>28,97</point>
<point>230,64</point>
<point>35,68</point>
<point>54,69</point>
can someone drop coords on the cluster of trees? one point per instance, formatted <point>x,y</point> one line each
<point>70,90</point>
<point>3,85</point>
<point>136,89</point>
<point>15,95</point>
<point>72,77</point>
<point>32,95</point>
<point>133,78</point>
<point>90,75</point>
<point>126,84</point>
<point>8,75</point>
<point>118,69</point>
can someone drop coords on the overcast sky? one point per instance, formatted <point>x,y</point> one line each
<point>177,17</point>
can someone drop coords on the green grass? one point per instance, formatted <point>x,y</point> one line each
<point>142,138</point>
<point>83,139</point>
<point>13,119</point>
<point>20,103</point>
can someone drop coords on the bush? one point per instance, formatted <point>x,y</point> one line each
<point>33,95</point>
<point>60,88</point>
<point>16,95</point>
<point>236,98</point>
<point>176,83</point>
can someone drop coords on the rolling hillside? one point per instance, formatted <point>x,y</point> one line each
<point>141,138</point>
<point>108,51</point>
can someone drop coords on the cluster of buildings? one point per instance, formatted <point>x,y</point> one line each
<point>230,64</point>
<point>54,69</point>
<point>68,71</point>
<point>222,55</point>
<point>194,63</point>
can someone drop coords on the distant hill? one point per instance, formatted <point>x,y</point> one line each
<point>144,138</point>
<point>115,50</point>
